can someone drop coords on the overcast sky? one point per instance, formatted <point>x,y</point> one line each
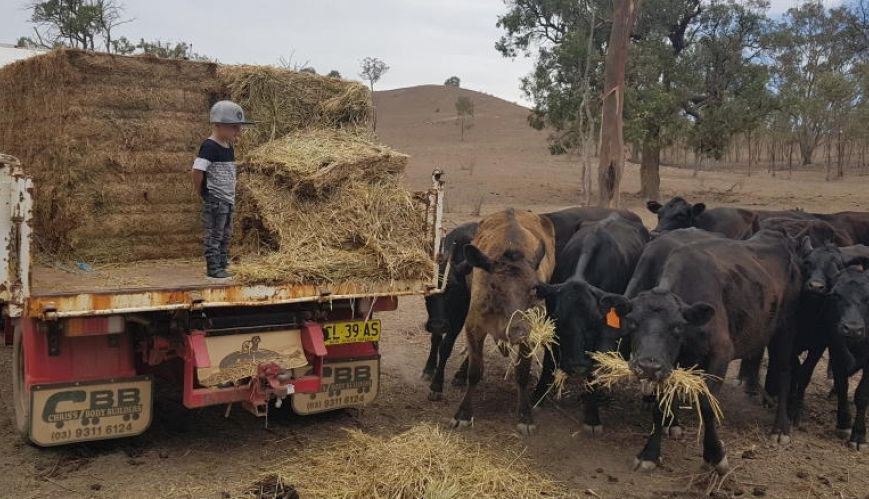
<point>423,41</point>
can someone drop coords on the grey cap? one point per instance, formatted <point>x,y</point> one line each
<point>228,113</point>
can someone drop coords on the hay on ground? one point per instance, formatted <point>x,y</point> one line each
<point>422,462</point>
<point>685,385</point>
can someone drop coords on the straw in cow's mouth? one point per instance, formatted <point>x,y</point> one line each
<point>540,339</point>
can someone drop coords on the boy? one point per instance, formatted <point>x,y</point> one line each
<point>214,181</point>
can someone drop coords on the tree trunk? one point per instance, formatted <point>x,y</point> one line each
<point>807,149</point>
<point>650,178</point>
<point>829,162</point>
<point>840,157</point>
<point>749,154</point>
<point>790,158</point>
<point>612,151</point>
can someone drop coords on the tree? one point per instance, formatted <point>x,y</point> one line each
<point>74,23</point>
<point>372,70</point>
<point>169,50</point>
<point>464,113</point>
<point>814,51</point>
<point>334,74</point>
<point>453,81</point>
<point>612,146</point>
<point>309,70</point>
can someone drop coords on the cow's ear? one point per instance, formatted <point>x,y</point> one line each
<point>476,258</point>
<point>611,301</point>
<point>544,290</point>
<point>697,209</point>
<point>859,261</point>
<point>806,246</point>
<point>698,314</point>
<point>654,206</point>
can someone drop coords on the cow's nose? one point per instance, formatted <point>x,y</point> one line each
<point>648,368</point>
<point>816,285</point>
<point>852,328</point>
<point>435,326</point>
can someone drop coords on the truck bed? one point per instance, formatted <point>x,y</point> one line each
<point>174,285</point>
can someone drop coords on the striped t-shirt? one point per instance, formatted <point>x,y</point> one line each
<point>218,164</point>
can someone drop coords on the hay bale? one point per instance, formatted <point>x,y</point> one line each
<point>327,206</point>
<point>421,462</point>
<point>283,101</point>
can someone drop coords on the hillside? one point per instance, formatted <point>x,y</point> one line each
<point>502,161</point>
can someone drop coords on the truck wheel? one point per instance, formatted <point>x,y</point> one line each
<point>20,394</point>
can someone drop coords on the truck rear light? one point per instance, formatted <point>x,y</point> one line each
<point>94,326</point>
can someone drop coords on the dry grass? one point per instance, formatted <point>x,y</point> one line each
<point>541,336</point>
<point>687,386</point>
<point>422,462</point>
<point>325,207</point>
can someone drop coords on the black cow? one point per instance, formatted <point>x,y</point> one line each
<point>600,258</point>
<point>715,301</point>
<point>818,231</point>
<point>734,223</point>
<point>848,317</point>
<point>821,266</point>
<point>447,311</point>
<point>854,224</point>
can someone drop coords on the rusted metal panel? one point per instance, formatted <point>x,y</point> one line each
<point>133,301</point>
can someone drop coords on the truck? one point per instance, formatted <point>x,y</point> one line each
<point>88,346</point>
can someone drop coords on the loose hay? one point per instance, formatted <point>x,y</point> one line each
<point>327,206</point>
<point>687,385</point>
<point>423,462</point>
<point>539,342</point>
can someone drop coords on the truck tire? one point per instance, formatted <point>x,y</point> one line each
<point>20,394</point>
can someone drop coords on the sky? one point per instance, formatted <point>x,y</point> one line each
<point>423,41</point>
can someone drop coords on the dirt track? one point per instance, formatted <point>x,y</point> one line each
<point>201,454</point>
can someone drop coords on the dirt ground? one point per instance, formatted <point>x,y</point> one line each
<point>501,163</point>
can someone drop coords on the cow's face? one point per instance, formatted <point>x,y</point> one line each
<point>660,325</point>
<point>575,307</point>
<point>820,266</point>
<point>506,284</point>
<point>849,301</point>
<point>676,214</point>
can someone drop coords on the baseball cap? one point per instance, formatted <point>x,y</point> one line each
<point>229,113</point>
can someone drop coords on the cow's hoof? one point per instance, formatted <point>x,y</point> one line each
<point>458,424</point>
<point>426,376</point>
<point>435,396</point>
<point>526,429</point>
<point>843,433</point>
<point>723,466</point>
<point>859,446</point>
<point>593,429</point>
<point>674,431</point>
<point>780,438</point>
<point>644,466</point>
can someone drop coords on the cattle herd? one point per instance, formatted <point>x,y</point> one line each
<point>705,287</point>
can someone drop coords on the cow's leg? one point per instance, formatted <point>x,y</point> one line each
<point>861,400</point>
<point>461,376</point>
<point>432,361</point>
<point>547,377</point>
<point>749,374</point>
<point>650,456</point>
<point>436,388</point>
<point>525,426</point>
<point>714,454</point>
<point>780,363</point>
<point>465,415</point>
<point>591,411</point>
<point>802,377</point>
<point>843,412</point>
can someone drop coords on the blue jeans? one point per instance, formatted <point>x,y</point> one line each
<point>217,220</point>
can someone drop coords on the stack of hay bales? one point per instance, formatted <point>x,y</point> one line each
<point>109,141</point>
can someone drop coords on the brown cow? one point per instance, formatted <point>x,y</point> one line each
<point>513,252</point>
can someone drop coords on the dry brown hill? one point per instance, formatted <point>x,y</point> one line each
<point>502,161</point>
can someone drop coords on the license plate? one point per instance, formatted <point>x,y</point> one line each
<point>344,384</point>
<point>96,410</point>
<point>340,333</point>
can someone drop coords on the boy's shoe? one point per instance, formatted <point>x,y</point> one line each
<point>220,274</point>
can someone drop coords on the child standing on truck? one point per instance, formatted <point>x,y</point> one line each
<point>214,181</point>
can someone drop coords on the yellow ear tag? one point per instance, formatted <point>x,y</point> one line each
<point>613,320</point>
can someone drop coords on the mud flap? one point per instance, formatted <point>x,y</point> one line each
<point>352,383</point>
<point>96,410</point>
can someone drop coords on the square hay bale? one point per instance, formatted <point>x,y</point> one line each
<point>109,141</point>
<point>327,206</point>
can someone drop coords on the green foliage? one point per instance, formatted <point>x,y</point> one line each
<point>453,81</point>
<point>169,50</point>
<point>334,74</point>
